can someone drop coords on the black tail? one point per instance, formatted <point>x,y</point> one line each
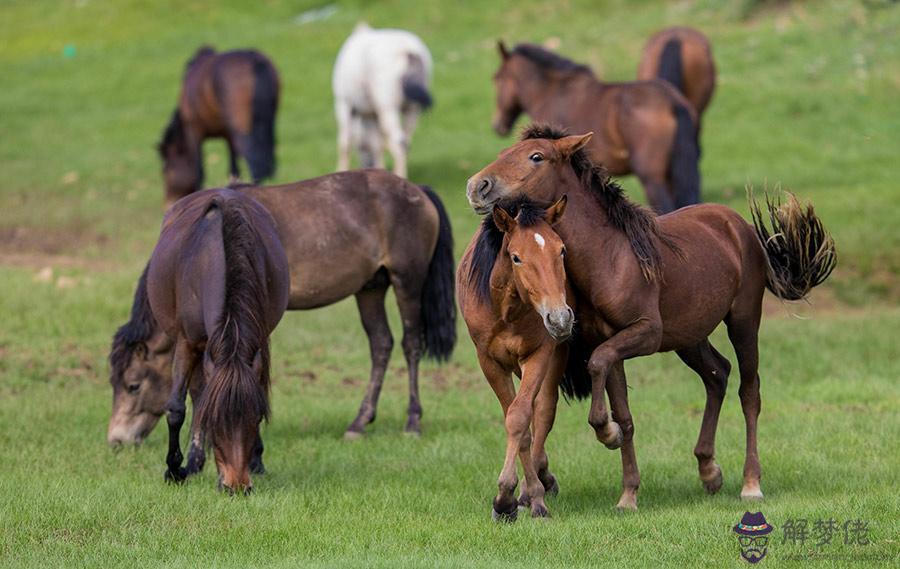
<point>684,161</point>
<point>415,81</point>
<point>800,251</point>
<point>234,396</point>
<point>260,147</point>
<point>670,64</point>
<point>576,381</point>
<point>438,294</point>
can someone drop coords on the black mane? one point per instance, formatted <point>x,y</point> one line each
<point>173,134</point>
<point>549,60</point>
<point>138,330</point>
<point>487,248</point>
<point>638,223</point>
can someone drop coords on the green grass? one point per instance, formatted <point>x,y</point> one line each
<point>806,97</point>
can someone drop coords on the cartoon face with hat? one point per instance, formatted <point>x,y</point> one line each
<point>753,531</point>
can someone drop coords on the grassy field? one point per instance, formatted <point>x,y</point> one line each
<point>807,98</point>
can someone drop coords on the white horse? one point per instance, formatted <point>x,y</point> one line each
<point>381,80</point>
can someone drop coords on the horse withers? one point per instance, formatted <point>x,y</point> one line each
<point>647,284</point>
<point>381,85</point>
<point>683,57</point>
<point>518,313</point>
<point>645,127</point>
<point>360,233</point>
<point>231,95</point>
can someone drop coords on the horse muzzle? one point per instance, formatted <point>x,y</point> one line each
<point>478,192</point>
<point>559,323</point>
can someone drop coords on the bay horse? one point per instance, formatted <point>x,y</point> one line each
<point>518,315</point>
<point>381,84</point>
<point>643,127</point>
<point>683,57</point>
<point>351,233</point>
<point>645,284</point>
<point>217,284</point>
<point>231,95</point>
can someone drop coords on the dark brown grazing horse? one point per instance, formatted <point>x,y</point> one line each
<point>218,284</point>
<point>644,127</point>
<point>518,312</point>
<point>350,233</point>
<point>645,285</point>
<point>232,95</point>
<point>683,57</point>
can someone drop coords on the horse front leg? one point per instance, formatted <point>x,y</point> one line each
<point>544,416</point>
<point>640,338</point>
<point>617,388</point>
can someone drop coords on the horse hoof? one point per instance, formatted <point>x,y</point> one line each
<point>505,517</point>
<point>627,504</point>
<point>540,511</point>
<point>352,435</point>
<point>412,432</point>
<point>553,489</point>
<point>714,483</point>
<point>751,494</point>
<point>524,501</point>
<point>175,477</point>
<point>616,439</point>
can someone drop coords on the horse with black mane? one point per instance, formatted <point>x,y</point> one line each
<point>217,285</point>
<point>645,284</point>
<point>233,95</point>
<point>644,127</point>
<point>351,233</point>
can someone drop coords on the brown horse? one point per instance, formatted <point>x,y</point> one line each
<point>232,95</point>
<point>683,57</point>
<point>517,311</point>
<point>644,127</point>
<point>217,284</point>
<point>350,233</point>
<point>645,284</point>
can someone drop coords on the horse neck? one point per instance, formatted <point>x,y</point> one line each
<point>546,96</point>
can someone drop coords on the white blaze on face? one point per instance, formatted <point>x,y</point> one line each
<point>539,239</point>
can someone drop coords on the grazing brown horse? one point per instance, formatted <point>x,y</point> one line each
<point>683,57</point>
<point>644,127</point>
<point>645,285</point>
<point>232,95</point>
<point>217,284</point>
<point>517,313</point>
<point>350,233</point>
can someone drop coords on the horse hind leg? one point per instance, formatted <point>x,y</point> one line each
<point>409,301</point>
<point>392,127</point>
<point>744,335</point>
<point>713,368</point>
<point>370,302</point>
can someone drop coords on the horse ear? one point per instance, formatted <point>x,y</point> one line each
<point>503,220</point>
<point>569,145</point>
<point>555,212</point>
<point>501,47</point>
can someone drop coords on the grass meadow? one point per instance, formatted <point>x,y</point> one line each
<point>807,98</point>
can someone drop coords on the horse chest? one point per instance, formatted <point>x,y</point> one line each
<point>514,341</point>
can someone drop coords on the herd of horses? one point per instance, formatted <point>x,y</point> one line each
<point>563,281</point>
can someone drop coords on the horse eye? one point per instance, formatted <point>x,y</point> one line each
<point>562,253</point>
<point>536,157</point>
<point>133,388</point>
<point>516,260</point>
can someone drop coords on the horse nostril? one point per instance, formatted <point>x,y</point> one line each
<point>483,187</point>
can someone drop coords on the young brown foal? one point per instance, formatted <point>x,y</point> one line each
<point>518,329</point>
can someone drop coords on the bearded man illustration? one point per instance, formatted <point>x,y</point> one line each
<point>753,532</point>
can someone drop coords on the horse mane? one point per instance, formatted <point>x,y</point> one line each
<point>232,391</point>
<point>139,329</point>
<point>637,223</point>
<point>548,60</point>
<point>173,134</point>
<point>527,213</point>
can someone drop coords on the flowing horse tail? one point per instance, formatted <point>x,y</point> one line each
<point>233,396</point>
<point>670,64</point>
<point>260,149</point>
<point>438,296</point>
<point>684,160</point>
<point>799,250</point>
<point>415,82</point>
